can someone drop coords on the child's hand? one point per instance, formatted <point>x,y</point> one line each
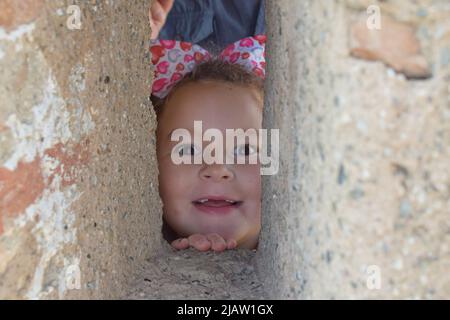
<point>158,15</point>
<point>201,242</point>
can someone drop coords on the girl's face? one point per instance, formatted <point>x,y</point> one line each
<point>233,208</point>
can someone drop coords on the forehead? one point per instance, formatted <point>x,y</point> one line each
<point>218,105</point>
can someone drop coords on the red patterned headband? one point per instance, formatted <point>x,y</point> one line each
<point>174,59</point>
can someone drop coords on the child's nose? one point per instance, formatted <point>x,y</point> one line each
<point>216,172</point>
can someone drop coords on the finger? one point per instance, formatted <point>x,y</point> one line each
<point>199,242</point>
<point>157,19</point>
<point>218,244</point>
<point>180,244</point>
<point>157,12</point>
<point>154,31</point>
<point>166,5</point>
<point>231,244</point>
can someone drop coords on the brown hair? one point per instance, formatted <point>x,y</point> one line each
<point>216,70</point>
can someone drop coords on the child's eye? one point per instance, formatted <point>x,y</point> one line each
<point>188,150</point>
<point>244,150</point>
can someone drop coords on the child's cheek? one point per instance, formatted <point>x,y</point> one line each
<point>249,179</point>
<point>252,172</point>
<point>181,179</point>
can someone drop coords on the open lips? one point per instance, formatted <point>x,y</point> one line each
<point>213,203</point>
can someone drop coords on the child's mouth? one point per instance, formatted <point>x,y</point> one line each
<point>216,205</point>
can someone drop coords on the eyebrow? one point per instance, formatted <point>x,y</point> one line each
<point>192,134</point>
<point>170,133</point>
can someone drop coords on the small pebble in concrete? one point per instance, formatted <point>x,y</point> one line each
<point>341,175</point>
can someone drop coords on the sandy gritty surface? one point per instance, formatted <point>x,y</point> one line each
<point>190,274</point>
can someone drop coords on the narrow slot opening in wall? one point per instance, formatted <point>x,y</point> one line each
<point>208,92</point>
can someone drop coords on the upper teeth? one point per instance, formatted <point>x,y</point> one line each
<point>205,200</point>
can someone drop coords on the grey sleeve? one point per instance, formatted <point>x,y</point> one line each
<point>189,20</point>
<point>214,22</point>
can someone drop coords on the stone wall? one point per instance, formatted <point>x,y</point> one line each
<point>361,205</point>
<point>78,175</point>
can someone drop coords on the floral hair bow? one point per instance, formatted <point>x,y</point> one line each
<point>174,59</point>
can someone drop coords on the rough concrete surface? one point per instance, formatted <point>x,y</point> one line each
<point>78,175</point>
<point>361,205</point>
<point>191,274</point>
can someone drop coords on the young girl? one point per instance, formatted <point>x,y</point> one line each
<point>208,206</point>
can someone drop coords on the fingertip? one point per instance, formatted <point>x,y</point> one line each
<point>219,247</point>
<point>204,246</point>
<point>184,243</point>
<point>174,244</point>
<point>167,4</point>
<point>222,248</point>
<point>231,244</point>
<point>180,243</point>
